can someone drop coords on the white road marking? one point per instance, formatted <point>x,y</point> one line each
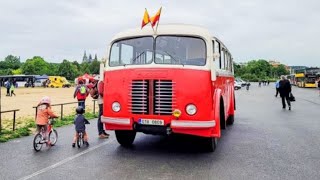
<point>65,160</point>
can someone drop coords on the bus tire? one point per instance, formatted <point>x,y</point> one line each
<point>125,137</point>
<point>230,120</point>
<point>211,144</point>
<point>52,86</point>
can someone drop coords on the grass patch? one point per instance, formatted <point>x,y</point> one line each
<point>28,126</point>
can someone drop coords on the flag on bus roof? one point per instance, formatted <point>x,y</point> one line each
<point>154,19</point>
<point>146,19</point>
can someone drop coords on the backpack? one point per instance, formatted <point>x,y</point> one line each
<point>94,92</point>
<point>82,90</point>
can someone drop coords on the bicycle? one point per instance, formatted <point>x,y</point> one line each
<point>80,139</point>
<point>39,138</point>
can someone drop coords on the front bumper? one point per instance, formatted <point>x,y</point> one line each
<point>174,123</point>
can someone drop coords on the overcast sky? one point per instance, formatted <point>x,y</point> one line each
<point>286,30</point>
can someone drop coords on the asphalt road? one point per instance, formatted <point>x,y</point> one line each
<point>265,142</point>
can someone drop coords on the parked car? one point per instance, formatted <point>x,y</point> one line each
<point>242,82</point>
<point>237,85</point>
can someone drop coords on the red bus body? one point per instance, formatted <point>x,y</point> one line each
<point>209,89</point>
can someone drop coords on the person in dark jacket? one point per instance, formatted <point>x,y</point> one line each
<point>80,126</point>
<point>285,90</point>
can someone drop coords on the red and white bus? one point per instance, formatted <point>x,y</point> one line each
<point>177,80</point>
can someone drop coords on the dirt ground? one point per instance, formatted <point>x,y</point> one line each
<point>26,98</point>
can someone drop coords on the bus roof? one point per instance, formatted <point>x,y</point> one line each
<point>166,29</point>
<point>169,29</point>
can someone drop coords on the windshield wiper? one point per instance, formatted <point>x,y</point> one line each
<point>134,60</point>
<point>173,58</point>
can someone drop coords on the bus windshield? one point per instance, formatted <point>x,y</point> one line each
<point>163,50</point>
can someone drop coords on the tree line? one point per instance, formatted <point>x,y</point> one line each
<point>38,66</point>
<point>254,70</point>
<point>258,70</point>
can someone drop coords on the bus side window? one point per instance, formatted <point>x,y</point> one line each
<point>216,49</point>
<point>229,65</point>
<point>223,57</point>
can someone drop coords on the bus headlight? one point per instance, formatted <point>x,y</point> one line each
<point>191,109</point>
<point>116,106</point>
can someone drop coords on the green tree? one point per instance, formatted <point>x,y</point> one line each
<point>10,62</point>
<point>68,70</point>
<point>53,69</point>
<point>85,68</point>
<point>6,72</point>
<point>17,71</point>
<point>36,65</point>
<point>94,67</point>
<point>281,70</point>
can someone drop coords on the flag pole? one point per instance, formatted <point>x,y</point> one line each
<point>159,19</point>
<point>150,22</point>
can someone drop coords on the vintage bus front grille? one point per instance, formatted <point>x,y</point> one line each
<point>139,101</point>
<point>163,100</point>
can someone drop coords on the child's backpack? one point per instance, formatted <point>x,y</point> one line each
<point>83,90</point>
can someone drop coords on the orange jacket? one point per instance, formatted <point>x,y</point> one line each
<point>43,114</point>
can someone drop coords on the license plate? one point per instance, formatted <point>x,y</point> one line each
<point>156,122</point>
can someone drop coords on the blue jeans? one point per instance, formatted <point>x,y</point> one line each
<point>82,103</point>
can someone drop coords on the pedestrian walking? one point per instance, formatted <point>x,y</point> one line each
<point>248,85</point>
<point>285,90</point>
<point>81,92</point>
<point>259,83</point>
<point>8,85</point>
<point>277,88</point>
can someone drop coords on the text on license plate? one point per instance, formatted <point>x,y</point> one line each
<point>157,122</point>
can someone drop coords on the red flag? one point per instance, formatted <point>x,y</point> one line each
<point>146,19</point>
<point>155,18</point>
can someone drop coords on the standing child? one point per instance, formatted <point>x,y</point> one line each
<point>12,87</point>
<point>80,126</point>
<point>44,112</point>
<point>81,92</point>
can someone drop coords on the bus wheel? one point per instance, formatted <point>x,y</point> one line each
<point>230,120</point>
<point>125,138</point>
<point>211,144</point>
<point>52,86</point>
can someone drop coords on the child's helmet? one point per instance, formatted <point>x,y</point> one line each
<point>45,100</point>
<point>79,110</point>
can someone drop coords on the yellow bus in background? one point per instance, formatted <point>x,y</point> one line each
<point>306,78</point>
<point>58,82</point>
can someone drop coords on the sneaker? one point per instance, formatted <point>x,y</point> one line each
<point>290,108</point>
<point>106,134</point>
<point>73,145</point>
<point>86,143</point>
